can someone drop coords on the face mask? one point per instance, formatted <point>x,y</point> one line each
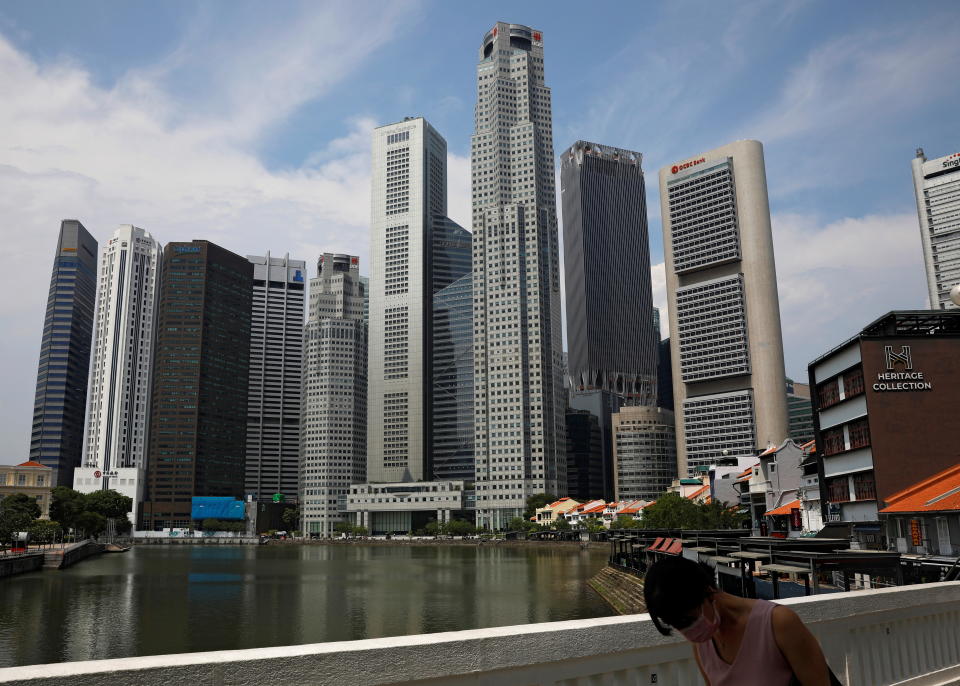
<point>702,629</point>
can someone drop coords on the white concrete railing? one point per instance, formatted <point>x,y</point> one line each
<point>906,635</point>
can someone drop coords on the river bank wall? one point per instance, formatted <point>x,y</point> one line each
<point>20,564</point>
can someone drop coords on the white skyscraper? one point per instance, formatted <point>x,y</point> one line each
<point>409,189</point>
<point>276,364</point>
<point>937,186</point>
<point>118,399</point>
<point>333,425</point>
<point>519,399</point>
<point>726,345</point>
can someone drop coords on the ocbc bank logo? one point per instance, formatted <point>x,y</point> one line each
<point>686,165</point>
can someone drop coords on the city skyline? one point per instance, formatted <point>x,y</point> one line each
<point>870,198</point>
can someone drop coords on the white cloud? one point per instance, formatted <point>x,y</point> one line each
<point>836,277</point>
<point>180,165</point>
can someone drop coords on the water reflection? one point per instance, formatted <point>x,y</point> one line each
<point>156,600</point>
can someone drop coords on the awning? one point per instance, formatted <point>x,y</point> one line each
<point>783,509</point>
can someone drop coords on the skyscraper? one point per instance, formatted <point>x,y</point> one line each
<point>198,422</point>
<point>645,452</point>
<point>333,429</point>
<point>409,190</point>
<point>56,438</point>
<point>276,366</point>
<point>118,407</point>
<point>726,346</point>
<point>610,316</point>
<point>937,187</point>
<point>520,401</point>
<point>799,412</point>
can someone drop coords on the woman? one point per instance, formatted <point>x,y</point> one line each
<point>736,641</point>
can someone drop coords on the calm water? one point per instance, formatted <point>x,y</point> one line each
<point>159,599</point>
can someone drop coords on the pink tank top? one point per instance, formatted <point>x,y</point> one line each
<point>759,661</point>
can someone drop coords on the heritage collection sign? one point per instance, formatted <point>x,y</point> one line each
<point>906,380</point>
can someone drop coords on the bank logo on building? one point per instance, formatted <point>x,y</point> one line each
<point>903,357</point>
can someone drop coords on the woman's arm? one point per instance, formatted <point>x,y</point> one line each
<point>800,648</point>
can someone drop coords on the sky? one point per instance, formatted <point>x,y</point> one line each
<point>248,124</point>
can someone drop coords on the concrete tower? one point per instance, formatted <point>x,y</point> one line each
<point>56,439</point>
<point>520,400</point>
<point>726,346</point>
<point>276,365</point>
<point>937,187</point>
<point>611,334</point>
<point>409,189</point>
<point>118,399</point>
<point>333,429</point>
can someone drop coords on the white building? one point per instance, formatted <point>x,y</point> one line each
<point>333,422</point>
<point>937,186</point>
<point>644,452</point>
<point>118,398</point>
<point>409,189</point>
<point>276,364</point>
<point>519,399</point>
<point>726,345</point>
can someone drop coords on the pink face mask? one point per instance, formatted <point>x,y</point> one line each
<point>702,628</point>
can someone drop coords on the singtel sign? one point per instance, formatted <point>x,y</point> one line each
<point>906,380</point>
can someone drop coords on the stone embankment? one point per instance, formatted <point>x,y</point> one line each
<point>622,591</point>
<point>61,558</point>
<point>11,564</point>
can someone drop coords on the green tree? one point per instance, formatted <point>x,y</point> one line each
<point>17,513</point>
<point>717,515</point>
<point>536,501</point>
<point>594,525</point>
<point>291,517</point>
<point>432,528</point>
<point>459,527</point>
<point>672,511</point>
<point>359,531</point>
<point>625,522</point>
<point>91,523</point>
<point>66,505</point>
<point>343,528</point>
<point>562,525</point>
<point>521,524</point>
<point>44,531</point>
<point>109,503</point>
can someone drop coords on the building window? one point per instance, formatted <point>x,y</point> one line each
<point>828,393</point>
<point>833,441</point>
<point>853,383</point>
<point>859,434</point>
<point>838,490</point>
<point>864,487</point>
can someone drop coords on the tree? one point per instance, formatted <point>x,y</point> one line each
<point>359,531</point>
<point>91,523</point>
<point>717,515</point>
<point>672,511</point>
<point>536,501</point>
<point>44,531</point>
<point>459,527</point>
<point>521,524</point>
<point>432,528</point>
<point>66,505</point>
<point>343,528</point>
<point>594,525</point>
<point>291,517</point>
<point>17,513</point>
<point>562,525</point>
<point>109,503</point>
<point>625,522</point>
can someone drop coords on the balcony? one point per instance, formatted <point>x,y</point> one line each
<point>908,635</point>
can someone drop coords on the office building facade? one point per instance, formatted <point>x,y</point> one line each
<point>198,422</point>
<point>799,412</point>
<point>586,471</point>
<point>937,187</point>
<point>726,345</point>
<point>59,406</point>
<point>118,398</point>
<point>520,400</point>
<point>276,368</point>
<point>601,404</point>
<point>409,191</point>
<point>611,330</point>
<point>644,452</point>
<point>333,429</point>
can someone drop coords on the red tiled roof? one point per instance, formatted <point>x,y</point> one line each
<point>698,492</point>
<point>937,493</point>
<point>809,446</point>
<point>31,463</point>
<point>595,508</point>
<point>784,509</point>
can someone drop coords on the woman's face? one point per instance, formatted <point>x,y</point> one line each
<point>701,623</point>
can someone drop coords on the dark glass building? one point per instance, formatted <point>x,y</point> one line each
<point>198,425</point>
<point>602,405</point>
<point>664,375</point>
<point>452,353</point>
<point>59,406</point>
<point>586,471</point>
<point>610,333</point>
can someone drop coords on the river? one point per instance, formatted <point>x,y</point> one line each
<point>175,599</point>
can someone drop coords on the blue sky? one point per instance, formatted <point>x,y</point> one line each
<point>248,123</point>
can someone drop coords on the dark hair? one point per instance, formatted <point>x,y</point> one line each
<point>673,588</point>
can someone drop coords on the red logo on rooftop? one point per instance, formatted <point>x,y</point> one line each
<point>97,474</point>
<point>686,165</point>
<point>537,36</point>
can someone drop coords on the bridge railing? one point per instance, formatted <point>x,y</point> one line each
<point>908,635</point>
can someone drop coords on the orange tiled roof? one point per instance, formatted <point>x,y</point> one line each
<point>595,508</point>
<point>812,445</point>
<point>771,449</point>
<point>698,492</point>
<point>31,463</point>
<point>937,493</point>
<point>784,509</point>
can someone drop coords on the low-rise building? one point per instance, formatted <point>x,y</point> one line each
<point>811,515</point>
<point>398,508</point>
<point>925,517</point>
<point>550,514</point>
<point>780,474</point>
<point>30,478</point>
